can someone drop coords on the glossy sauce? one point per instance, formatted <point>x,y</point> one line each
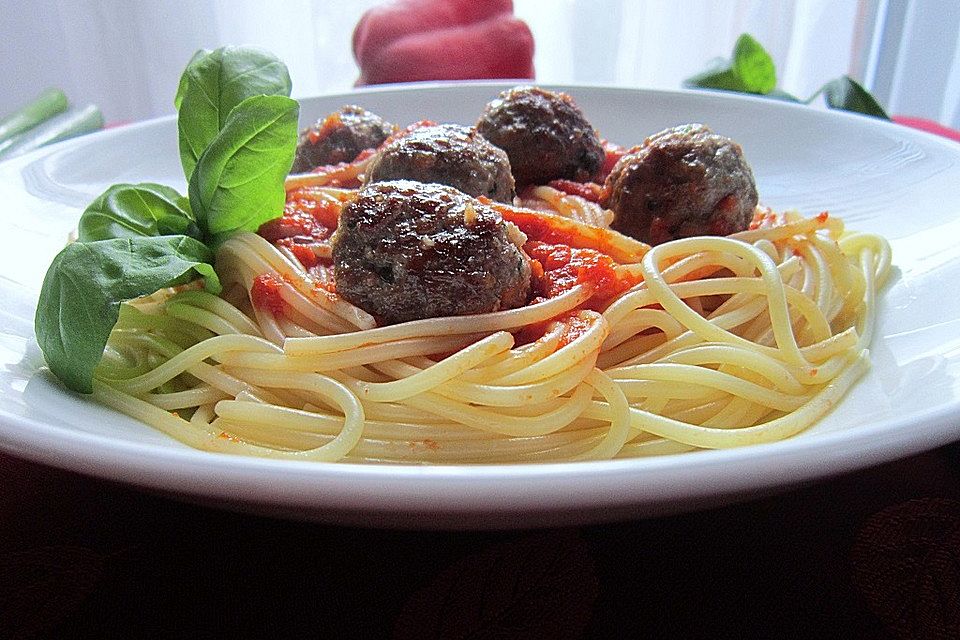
<point>560,267</point>
<point>265,293</point>
<point>308,221</point>
<point>590,191</point>
<point>612,153</point>
<point>331,123</point>
<point>573,327</point>
<point>307,217</point>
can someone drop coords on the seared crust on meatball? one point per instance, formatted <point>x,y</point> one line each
<point>340,137</point>
<point>448,154</point>
<point>406,250</point>
<point>545,135</point>
<point>681,182</point>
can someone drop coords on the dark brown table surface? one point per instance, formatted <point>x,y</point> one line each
<point>874,554</point>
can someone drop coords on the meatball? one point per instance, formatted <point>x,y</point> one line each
<point>681,182</point>
<point>340,137</point>
<point>545,135</point>
<point>447,154</point>
<point>406,250</point>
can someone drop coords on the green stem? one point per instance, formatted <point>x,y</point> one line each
<point>48,104</point>
<point>75,122</point>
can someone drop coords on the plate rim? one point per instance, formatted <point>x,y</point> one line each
<point>453,85</point>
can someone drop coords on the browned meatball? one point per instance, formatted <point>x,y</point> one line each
<point>681,182</point>
<point>545,135</point>
<point>407,250</point>
<point>340,137</point>
<point>447,154</point>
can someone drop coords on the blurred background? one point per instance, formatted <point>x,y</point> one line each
<point>126,55</point>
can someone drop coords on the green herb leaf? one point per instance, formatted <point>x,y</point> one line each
<point>215,82</point>
<point>753,65</point>
<point>719,75</point>
<point>847,94</point>
<point>184,79</point>
<point>86,283</point>
<point>750,71</point>
<point>135,210</point>
<point>238,181</point>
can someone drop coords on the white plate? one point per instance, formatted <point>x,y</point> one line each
<point>878,176</point>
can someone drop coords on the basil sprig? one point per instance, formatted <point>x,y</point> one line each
<point>751,70</point>
<point>238,136</point>
<point>134,210</point>
<point>212,85</point>
<point>86,283</point>
<point>238,181</point>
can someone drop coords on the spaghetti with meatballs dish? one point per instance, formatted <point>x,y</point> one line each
<point>515,290</point>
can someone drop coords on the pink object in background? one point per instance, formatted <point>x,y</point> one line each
<point>928,125</point>
<point>413,40</point>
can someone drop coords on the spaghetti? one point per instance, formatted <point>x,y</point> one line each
<point>706,342</point>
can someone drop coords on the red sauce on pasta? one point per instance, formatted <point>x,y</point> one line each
<point>306,218</point>
<point>306,255</point>
<point>587,190</point>
<point>573,327</point>
<point>612,154</point>
<point>560,267</point>
<point>265,293</point>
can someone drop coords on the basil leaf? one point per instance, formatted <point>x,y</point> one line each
<point>86,283</point>
<point>847,94</point>
<point>213,84</point>
<point>750,71</point>
<point>182,86</point>
<point>753,65</point>
<point>719,75</point>
<point>238,182</point>
<point>134,210</point>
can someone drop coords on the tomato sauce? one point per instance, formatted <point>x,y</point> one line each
<point>563,255</point>
<point>560,267</point>
<point>305,218</point>
<point>559,261</point>
<point>587,190</point>
<point>345,175</point>
<point>554,229</point>
<point>265,293</point>
<point>306,255</point>
<point>405,132</point>
<point>307,221</point>
<point>612,154</point>
<point>330,124</point>
<point>573,327</point>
